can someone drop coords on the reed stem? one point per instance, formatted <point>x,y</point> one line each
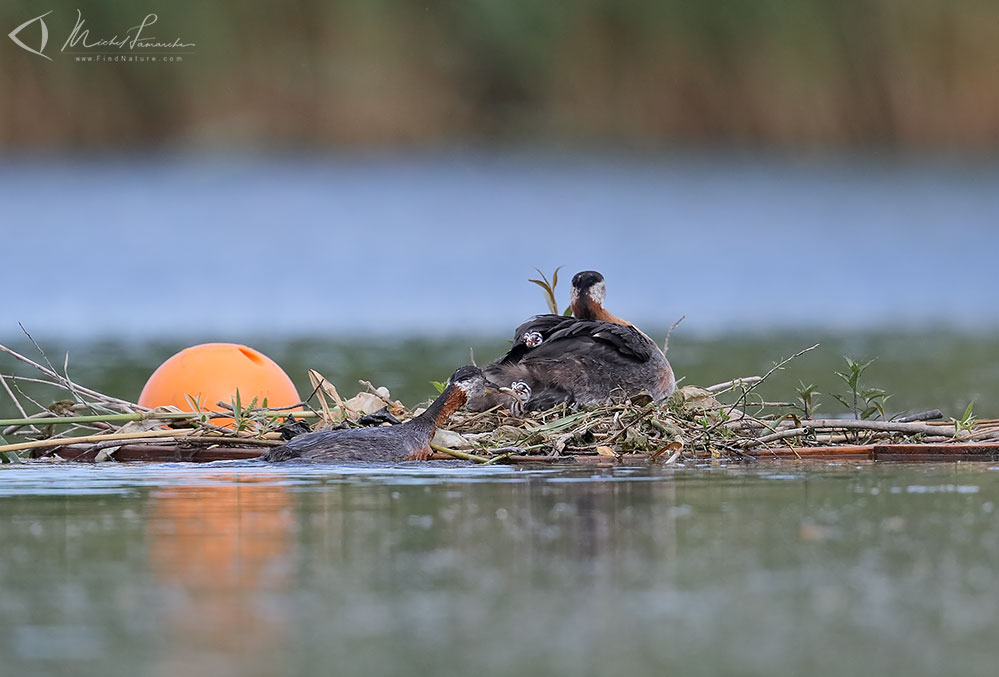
<point>452,452</point>
<point>83,439</point>
<point>143,416</point>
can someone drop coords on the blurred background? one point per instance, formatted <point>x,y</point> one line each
<point>364,187</point>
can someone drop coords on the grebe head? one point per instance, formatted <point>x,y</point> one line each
<point>521,392</point>
<point>471,381</point>
<point>532,339</point>
<point>588,284</point>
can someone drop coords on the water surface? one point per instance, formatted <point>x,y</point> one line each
<point>435,242</point>
<point>237,569</point>
<point>389,268</point>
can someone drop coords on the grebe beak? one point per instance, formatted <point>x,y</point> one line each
<point>510,392</point>
<point>494,387</point>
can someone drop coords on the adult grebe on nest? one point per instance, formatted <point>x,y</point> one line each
<point>581,360</point>
<point>409,441</point>
<point>586,299</point>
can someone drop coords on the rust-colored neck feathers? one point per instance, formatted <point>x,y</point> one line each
<point>452,403</point>
<point>436,416</point>
<point>440,410</point>
<point>585,308</point>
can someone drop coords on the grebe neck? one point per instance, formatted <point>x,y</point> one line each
<point>441,409</point>
<point>584,308</point>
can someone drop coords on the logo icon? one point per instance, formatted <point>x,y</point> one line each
<point>45,35</point>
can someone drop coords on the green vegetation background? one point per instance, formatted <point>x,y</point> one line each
<point>642,73</point>
<point>921,370</point>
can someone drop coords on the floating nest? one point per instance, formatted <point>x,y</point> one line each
<point>726,421</point>
<point>695,423</point>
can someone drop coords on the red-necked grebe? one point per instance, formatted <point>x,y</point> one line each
<point>409,441</point>
<point>587,303</point>
<point>587,298</point>
<point>580,360</point>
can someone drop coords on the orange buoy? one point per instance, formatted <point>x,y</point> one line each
<point>212,372</point>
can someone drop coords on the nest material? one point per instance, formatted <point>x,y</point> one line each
<point>694,423</point>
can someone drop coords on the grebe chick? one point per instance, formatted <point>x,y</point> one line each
<point>409,441</point>
<point>521,392</point>
<point>533,338</point>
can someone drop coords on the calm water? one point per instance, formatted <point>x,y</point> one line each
<point>241,570</point>
<point>291,245</point>
<point>389,269</point>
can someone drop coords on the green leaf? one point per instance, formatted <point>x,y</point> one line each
<point>549,295</point>
<point>193,402</point>
<point>549,288</point>
<point>842,400</point>
<point>439,386</point>
<point>967,412</point>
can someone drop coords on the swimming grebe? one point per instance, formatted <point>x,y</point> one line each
<point>409,441</point>
<point>580,360</point>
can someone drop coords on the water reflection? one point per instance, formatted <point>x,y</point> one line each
<point>789,569</point>
<point>220,554</point>
<point>412,529</point>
